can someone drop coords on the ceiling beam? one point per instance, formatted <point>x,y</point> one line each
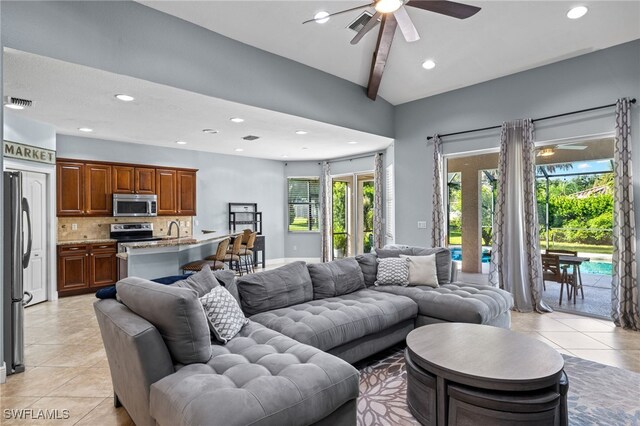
<point>385,38</point>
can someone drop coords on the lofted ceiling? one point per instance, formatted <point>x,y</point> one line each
<point>71,96</point>
<point>505,37</point>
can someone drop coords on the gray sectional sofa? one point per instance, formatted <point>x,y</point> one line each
<point>291,364</point>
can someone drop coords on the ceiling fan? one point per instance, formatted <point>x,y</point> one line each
<point>391,14</point>
<point>548,152</point>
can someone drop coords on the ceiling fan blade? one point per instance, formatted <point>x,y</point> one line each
<point>406,25</point>
<point>448,8</point>
<point>375,19</point>
<point>572,147</point>
<point>339,13</point>
<point>385,38</point>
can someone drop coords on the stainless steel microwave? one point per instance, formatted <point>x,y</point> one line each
<point>135,205</point>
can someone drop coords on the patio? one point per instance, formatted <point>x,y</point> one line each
<point>597,297</point>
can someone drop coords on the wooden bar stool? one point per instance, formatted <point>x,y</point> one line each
<point>214,262</point>
<point>246,252</point>
<point>233,255</point>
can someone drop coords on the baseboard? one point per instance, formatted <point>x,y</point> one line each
<point>3,373</point>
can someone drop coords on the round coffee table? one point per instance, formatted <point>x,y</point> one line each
<point>458,373</point>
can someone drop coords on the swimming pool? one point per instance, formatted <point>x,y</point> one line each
<point>593,267</point>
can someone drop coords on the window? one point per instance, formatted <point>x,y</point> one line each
<point>390,228</point>
<point>304,204</point>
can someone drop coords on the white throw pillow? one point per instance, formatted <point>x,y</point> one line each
<point>422,270</point>
<point>392,271</point>
<point>223,313</point>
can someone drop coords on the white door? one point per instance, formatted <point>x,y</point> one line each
<point>34,189</point>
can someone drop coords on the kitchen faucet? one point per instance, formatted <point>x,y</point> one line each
<point>173,222</point>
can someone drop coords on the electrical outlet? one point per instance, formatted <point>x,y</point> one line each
<point>197,222</point>
<point>422,224</point>
<point>295,248</point>
<point>74,226</point>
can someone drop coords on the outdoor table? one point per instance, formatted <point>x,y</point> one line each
<point>575,262</point>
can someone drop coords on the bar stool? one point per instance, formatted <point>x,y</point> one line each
<point>214,262</point>
<point>233,255</point>
<point>246,252</point>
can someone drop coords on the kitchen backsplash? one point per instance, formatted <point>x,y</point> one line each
<point>97,228</point>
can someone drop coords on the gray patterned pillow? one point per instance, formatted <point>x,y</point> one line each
<point>223,313</point>
<point>393,271</point>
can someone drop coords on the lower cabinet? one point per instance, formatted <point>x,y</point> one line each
<point>83,268</point>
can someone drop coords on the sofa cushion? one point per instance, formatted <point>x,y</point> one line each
<point>175,312</point>
<point>393,271</point>
<point>260,378</point>
<point>284,286</point>
<point>223,313</point>
<point>335,278</point>
<point>201,282</point>
<point>328,323</point>
<point>443,259</point>
<point>457,302</point>
<point>369,265</point>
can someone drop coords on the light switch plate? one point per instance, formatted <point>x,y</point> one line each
<point>74,226</point>
<point>422,224</point>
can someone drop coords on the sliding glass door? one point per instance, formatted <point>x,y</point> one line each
<point>352,218</point>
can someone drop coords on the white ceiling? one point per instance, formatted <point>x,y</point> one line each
<point>505,37</point>
<point>70,96</point>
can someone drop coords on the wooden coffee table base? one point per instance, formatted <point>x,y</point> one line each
<point>437,395</point>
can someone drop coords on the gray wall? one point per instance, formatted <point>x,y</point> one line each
<point>591,80</point>
<point>131,39</point>
<point>221,179</point>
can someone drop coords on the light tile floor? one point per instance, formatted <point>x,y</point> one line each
<point>67,366</point>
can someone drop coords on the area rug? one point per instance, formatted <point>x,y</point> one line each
<point>598,394</point>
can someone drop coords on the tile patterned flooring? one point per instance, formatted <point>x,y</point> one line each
<point>67,366</point>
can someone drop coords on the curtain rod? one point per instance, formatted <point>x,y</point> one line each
<point>357,157</point>
<point>633,101</point>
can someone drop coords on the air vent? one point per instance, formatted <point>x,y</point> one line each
<point>251,138</point>
<point>17,102</point>
<point>360,21</point>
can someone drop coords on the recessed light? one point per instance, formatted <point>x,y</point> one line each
<point>387,6</point>
<point>284,156</point>
<point>428,64</point>
<point>13,106</point>
<point>237,119</point>
<point>125,98</point>
<point>301,132</point>
<point>181,142</point>
<point>577,12</point>
<point>210,131</point>
<point>238,150</point>
<point>321,17</point>
<point>85,129</point>
<point>352,142</point>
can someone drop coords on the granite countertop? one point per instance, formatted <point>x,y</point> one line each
<point>180,243</point>
<point>86,241</point>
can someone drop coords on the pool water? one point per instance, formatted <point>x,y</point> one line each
<point>593,267</point>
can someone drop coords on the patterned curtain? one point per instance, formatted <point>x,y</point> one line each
<point>624,291</point>
<point>378,178</point>
<point>326,209</point>
<point>438,226</point>
<point>516,264</point>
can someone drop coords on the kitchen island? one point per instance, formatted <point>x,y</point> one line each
<point>154,259</point>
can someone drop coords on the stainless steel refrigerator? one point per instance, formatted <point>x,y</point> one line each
<point>17,250</point>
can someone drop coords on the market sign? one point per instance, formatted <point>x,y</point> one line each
<point>29,153</point>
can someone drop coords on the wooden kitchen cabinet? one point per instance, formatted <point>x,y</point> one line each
<point>70,185</point>
<point>83,268</point>
<point>134,180</point>
<point>186,193</point>
<point>166,185</point>
<point>97,188</point>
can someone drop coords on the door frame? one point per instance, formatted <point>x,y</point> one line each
<point>50,173</point>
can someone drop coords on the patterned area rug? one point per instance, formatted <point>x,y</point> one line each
<point>598,394</point>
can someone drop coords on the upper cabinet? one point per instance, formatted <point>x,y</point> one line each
<point>186,193</point>
<point>87,188</point>
<point>134,180</point>
<point>70,188</point>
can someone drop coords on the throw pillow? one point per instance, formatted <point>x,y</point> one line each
<point>201,282</point>
<point>175,312</point>
<point>223,314</point>
<point>393,271</point>
<point>422,270</point>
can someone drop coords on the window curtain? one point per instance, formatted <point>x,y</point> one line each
<point>378,177</point>
<point>516,264</point>
<point>438,226</point>
<point>326,208</point>
<point>624,290</point>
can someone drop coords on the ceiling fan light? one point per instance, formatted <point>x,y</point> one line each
<point>577,12</point>
<point>321,17</point>
<point>387,6</point>
<point>429,64</point>
<point>546,152</point>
